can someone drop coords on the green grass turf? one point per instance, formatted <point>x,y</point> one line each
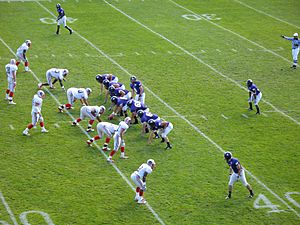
<point>58,174</point>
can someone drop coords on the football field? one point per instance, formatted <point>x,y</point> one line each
<point>193,58</point>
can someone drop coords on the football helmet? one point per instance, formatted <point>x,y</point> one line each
<point>58,6</point>
<point>99,78</point>
<point>41,94</point>
<point>65,72</point>
<point>151,122</point>
<point>102,109</point>
<point>13,61</point>
<point>111,88</point>
<point>127,120</point>
<point>88,90</point>
<point>140,113</point>
<point>249,82</point>
<point>28,42</point>
<point>295,34</point>
<point>129,103</point>
<point>106,83</point>
<point>227,155</point>
<point>151,162</point>
<point>133,78</point>
<point>114,99</point>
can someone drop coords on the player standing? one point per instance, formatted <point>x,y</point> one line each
<point>62,19</point>
<point>76,93</point>
<point>57,74</point>
<point>137,88</point>
<point>295,48</point>
<point>36,113</point>
<point>92,112</point>
<point>236,173</point>
<point>119,139</point>
<point>139,178</point>
<point>21,54</point>
<point>11,73</point>
<point>254,95</point>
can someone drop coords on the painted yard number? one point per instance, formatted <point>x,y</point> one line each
<point>257,204</point>
<point>53,21</point>
<point>200,17</point>
<point>24,219</point>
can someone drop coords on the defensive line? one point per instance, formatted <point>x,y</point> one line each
<point>200,60</point>
<point>177,113</point>
<point>87,134</point>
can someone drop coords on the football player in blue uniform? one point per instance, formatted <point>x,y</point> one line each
<point>134,107</point>
<point>62,19</point>
<point>164,127</point>
<point>138,89</point>
<point>295,48</point>
<point>108,84</point>
<point>236,173</point>
<point>101,77</point>
<point>120,106</point>
<point>254,95</point>
<point>145,117</point>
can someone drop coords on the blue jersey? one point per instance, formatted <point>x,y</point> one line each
<point>295,42</point>
<point>136,106</point>
<point>147,116</point>
<point>107,76</point>
<point>157,125</point>
<point>233,163</point>
<point>115,83</point>
<point>121,101</point>
<point>253,89</point>
<point>136,87</point>
<point>61,13</point>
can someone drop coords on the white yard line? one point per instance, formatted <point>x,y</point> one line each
<point>232,32</point>
<point>199,60</point>
<point>177,113</point>
<point>11,127</point>
<point>267,14</point>
<point>11,214</point>
<point>225,117</point>
<point>244,115</point>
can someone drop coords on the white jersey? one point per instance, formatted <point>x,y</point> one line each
<point>56,73</point>
<point>109,126</point>
<point>89,111</point>
<point>22,48</point>
<point>122,125</point>
<point>79,93</point>
<point>37,104</point>
<point>144,168</point>
<point>10,69</point>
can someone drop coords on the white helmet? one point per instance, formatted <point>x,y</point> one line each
<point>13,61</point>
<point>88,90</point>
<point>127,120</point>
<point>151,162</point>
<point>41,94</point>
<point>295,35</point>
<point>102,109</point>
<point>28,42</point>
<point>65,72</point>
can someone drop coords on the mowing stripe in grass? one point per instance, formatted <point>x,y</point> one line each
<point>267,14</point>
<point>83,131</point>
<point>11,214</point>
<point>178,114</point>
<point>232,32</point>
<point>201,61</point>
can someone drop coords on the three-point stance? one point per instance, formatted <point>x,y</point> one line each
<point>62,19</point>
<point>139,178</point>
<point>36,113</point>
<point>236,173</point>
<point>254,95</point>
<point>57,74</point>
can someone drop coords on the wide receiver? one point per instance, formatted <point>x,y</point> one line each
<point>76,93</point>
<point>11,73</point>
<point>21,54</point>
<point>139,178</point>
<point>91,112</point>
<point>36,113</point>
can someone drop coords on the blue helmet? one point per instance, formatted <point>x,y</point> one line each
<point>111,88</point>
<point>114,99</point>
<point>58,6</point>
<point>151,122</point>
<point>133,78</point>
<point>129,103</point>
<point>249,82</point>
<point>106,83</point>
<point>227,155</point>
<point>140,113</point>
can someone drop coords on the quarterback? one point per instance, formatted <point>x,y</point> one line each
<point>21,54</point>
<point>11,73</point>
<point>36,113</point>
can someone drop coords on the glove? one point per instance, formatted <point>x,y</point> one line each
<point>282,36</point>
<point>110,117</point>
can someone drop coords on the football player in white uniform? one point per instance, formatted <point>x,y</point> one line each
<point>139,178</point>
<point>57,74</point>
<point>119,139</point>
<point>104,128</point>
<point>36,113</point>
<point>11,73</point>
<point>21,54</point>
<point>91,112</point>
<point>76,93</point>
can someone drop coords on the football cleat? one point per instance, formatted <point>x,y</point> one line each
<point>12,103</point>
<point>124,157</point>
<point>168,147</point>
<point>137,197</point>
<point>228,197</point>
<point>40,85</point>
<point>26,133</point>
<point>44,130</point>
<point>110,160</point>
<point>105,149</point>
<point>60,109</point>
<point>89,143</point>
<point>251,195</point>
<point>74,123</point>
<point>142,201</point>
<point>89,130</point>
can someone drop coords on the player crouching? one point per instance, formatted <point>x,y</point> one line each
<point>36,113</point>
<point>91,112</point>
